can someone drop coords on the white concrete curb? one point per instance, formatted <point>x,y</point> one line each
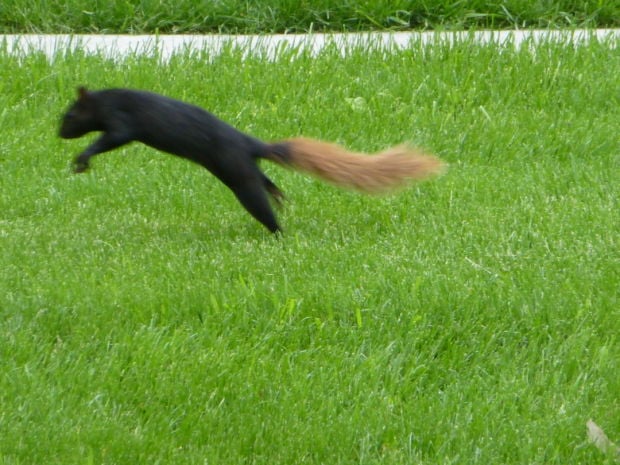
<point>268,46</point>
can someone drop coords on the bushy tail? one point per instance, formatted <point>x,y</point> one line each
<point>377,173</point>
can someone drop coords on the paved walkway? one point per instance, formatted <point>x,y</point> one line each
<point>114,46</point>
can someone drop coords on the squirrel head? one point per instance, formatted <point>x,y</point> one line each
<point>81,117</point>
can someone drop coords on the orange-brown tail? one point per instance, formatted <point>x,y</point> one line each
<point>377,173</point>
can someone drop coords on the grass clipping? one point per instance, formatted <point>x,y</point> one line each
<point>598,437</point>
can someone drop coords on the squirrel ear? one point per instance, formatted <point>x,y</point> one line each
<point>82,92</point>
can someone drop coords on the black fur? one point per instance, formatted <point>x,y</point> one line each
<point>181,129</point>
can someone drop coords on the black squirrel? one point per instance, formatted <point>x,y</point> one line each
<point>188,131</point>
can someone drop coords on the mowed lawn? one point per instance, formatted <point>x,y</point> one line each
<point>244,17</point>
<point>146,318</point>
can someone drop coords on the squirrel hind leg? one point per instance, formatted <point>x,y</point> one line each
<point>275,192</point>
<point>254,199</point>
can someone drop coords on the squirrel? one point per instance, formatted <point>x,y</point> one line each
<point>188,131</point>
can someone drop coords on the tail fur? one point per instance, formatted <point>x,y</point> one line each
<point>377,173</point>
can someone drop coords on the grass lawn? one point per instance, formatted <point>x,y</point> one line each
<point>146,318</point>
<point>241,16</point>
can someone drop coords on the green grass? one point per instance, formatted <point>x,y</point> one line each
<point>474,319</point>
<point>299,16</point>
